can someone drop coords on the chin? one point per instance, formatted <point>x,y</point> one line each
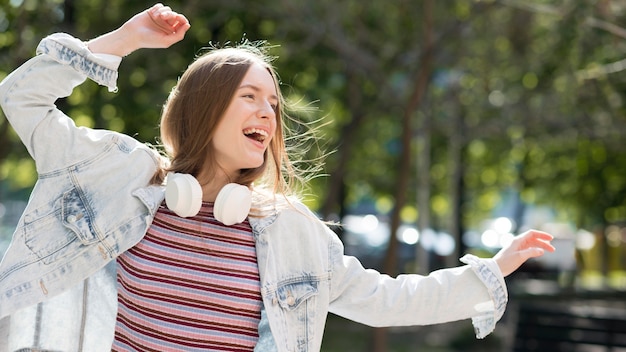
<point>253,165</point>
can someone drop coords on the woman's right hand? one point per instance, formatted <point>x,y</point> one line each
<point>156,27</point>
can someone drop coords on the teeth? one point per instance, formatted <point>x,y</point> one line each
<point>249,131</point>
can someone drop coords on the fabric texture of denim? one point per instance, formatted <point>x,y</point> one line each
<point>93,201</point>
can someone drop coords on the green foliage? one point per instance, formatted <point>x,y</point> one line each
<point>539,88</point>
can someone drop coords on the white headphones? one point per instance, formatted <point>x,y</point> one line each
<point>183,195</point>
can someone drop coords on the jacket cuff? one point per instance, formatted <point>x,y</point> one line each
<point>73,52</point>
<point>489,312</point>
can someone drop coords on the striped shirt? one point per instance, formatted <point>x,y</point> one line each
<point>191,284</point>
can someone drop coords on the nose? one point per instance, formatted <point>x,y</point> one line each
<point>266,111</point>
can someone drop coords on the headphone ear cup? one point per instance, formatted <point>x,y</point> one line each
<point>232,204</point>
<point>183,194</point>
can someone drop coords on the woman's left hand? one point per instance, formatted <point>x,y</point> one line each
<point>528,245</point>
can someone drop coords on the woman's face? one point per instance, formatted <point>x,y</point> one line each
<point>244,133</point>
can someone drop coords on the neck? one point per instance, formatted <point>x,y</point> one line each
<point>211,186</point>
<point>209,193</point>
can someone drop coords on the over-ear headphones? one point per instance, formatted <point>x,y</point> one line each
<point>183,195</point>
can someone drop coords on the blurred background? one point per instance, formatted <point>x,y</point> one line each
<point>445,128</point>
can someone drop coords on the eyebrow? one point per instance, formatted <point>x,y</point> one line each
<point>256,89</point>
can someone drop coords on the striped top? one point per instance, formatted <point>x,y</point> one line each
<point>191,284</point>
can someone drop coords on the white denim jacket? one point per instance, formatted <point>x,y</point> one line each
<point>93,201</point>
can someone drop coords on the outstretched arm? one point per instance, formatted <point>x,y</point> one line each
<point>528,245</point>
<point>156,27</point>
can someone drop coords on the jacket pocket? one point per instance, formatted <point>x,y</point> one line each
<point>75,216</point>
<point>292,294</point>
<point>61,231</point>
<point>295,312</point>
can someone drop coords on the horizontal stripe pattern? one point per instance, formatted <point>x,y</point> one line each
<point>191,284</point>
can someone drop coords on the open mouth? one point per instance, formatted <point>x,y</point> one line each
<point>256,134</point>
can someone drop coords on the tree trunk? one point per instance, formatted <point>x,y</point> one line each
<point>422,256</point>
<point>404,173</point>
<point>456,187</point>
<point>335,194</point>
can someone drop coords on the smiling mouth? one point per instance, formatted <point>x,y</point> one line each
<point>256,134</point>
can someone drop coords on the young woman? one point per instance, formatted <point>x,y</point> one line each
<point>215,256</point>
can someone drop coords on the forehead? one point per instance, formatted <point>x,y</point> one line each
<point>259,77</point>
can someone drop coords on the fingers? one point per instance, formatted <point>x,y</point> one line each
<point>541,235</point>
<point>537,235</point>
<point>534,238</point>
<point>168,20</point>
<point>531,253</point>
<point>182,26</point>
<point>530,244</point>
<point>544,245</point>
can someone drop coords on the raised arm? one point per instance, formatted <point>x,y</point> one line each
<point>156,27</point>
<point>28,94</point>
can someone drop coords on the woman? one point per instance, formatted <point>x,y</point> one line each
<point>199,270</point>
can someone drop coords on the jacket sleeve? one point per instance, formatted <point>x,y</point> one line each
<point>29,93</point>
<point>476,291</point>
